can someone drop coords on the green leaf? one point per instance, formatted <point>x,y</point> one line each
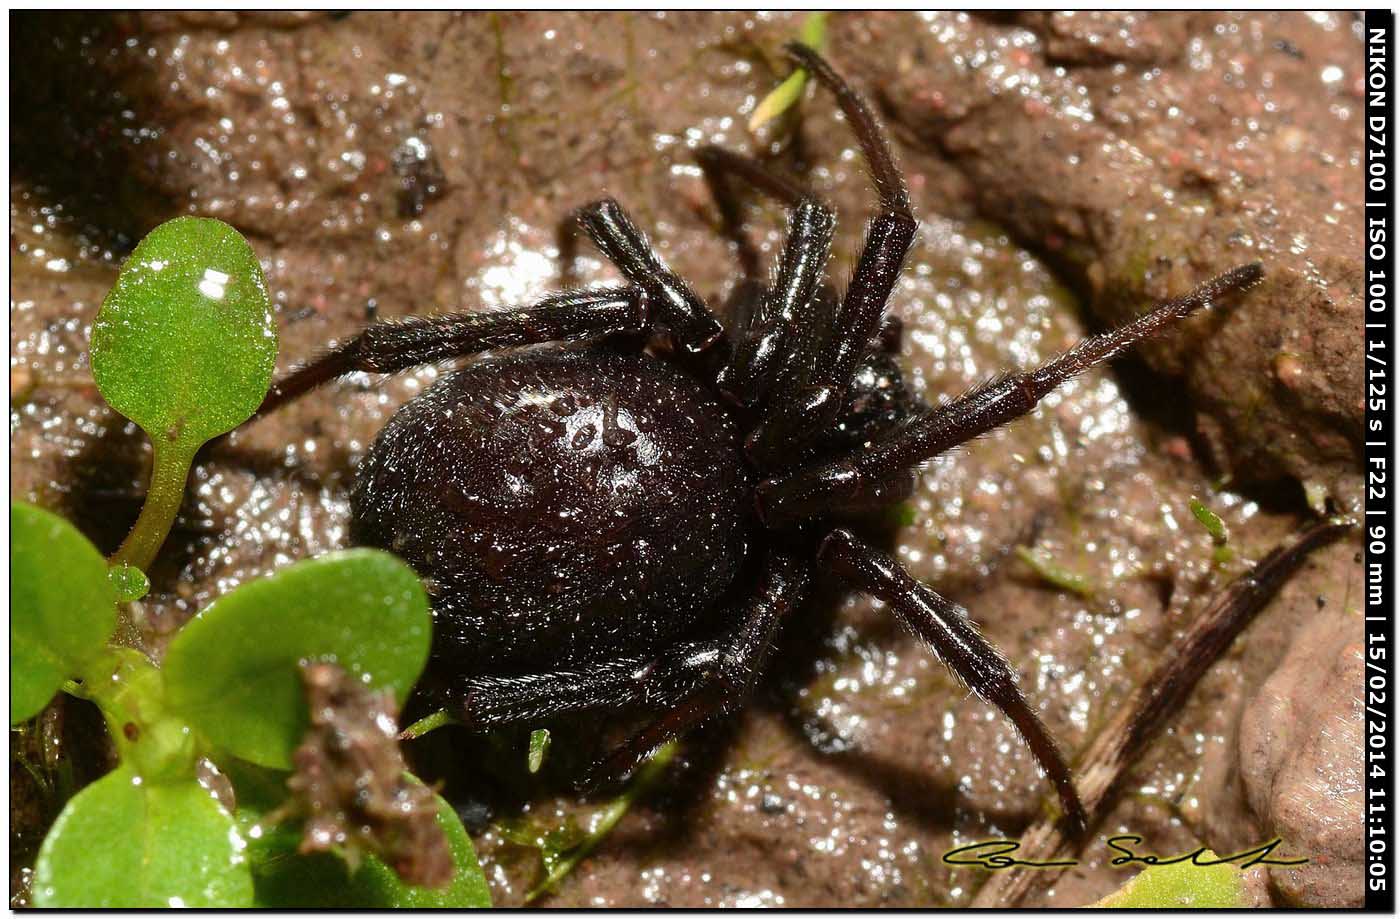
<point>232,670</point>
<point>790,90</point>
<point>124,843</point>
<point>62,610</point>
<point>185,343</point>
<point>1210,520</point>
<point>285,880</point>
<point>1219,534</point>
<point>1181,886</point>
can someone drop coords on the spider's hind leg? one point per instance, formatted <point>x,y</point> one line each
<point>699,680</point>
<point>688,683</point>
<point>953,638</point>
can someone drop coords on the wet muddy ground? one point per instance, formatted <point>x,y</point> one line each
<point>1066,171</point>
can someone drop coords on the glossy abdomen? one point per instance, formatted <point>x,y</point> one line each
<point>559,504</point>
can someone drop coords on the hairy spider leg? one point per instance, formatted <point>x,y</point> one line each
<point>951,635</point>
<point>688,683</point>
<point>699,680</point>
<point>810,491</point>
<point>810,411</point>
<point>691,323</point>
<point>720,166</point>
<point>388,347</point>
<point>768,345</point>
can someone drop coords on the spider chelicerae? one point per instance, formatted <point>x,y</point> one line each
<point>624,516</point>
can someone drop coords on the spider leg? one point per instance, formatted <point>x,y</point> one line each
<point>810,411</point>
<point>685,316</point>
<point>720,166</point>
<point>486,702</point>
<point>768,344</point>
<point>743,303</point>
<point>699,680</point>
<point>809,491</point>
<point>729,662</point>
<point>388,347</point>
<point>890,338</point>
<point>948,632</point>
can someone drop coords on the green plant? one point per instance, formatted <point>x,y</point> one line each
<point>1055,573</point>
<point>184,345</point>
<point>1186,885</point>
<point>1219,535</point>
<point>563,847</point>
<point>785,96</point>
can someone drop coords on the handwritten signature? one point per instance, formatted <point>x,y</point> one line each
<point>995,855</point>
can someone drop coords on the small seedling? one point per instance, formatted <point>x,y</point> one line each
<point>184,346</point>
<point>1215,527</point>
<point>1055,573</point>
<point>785,96</point>
<point>223,692</point>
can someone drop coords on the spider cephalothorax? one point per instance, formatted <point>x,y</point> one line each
<point>604,526</point>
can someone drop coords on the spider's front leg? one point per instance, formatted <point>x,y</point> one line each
<point>808,492</point>
<point>951,635</point>
<point>767,346</point>
<point>388,347</point>
<point>804,414</point>
<point>684,315</point>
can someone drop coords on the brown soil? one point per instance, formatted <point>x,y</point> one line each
<point>386,164</point>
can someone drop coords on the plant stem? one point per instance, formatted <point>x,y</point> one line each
<point>170,469</point>
<point>607,819</point>
<point>1150,708</point>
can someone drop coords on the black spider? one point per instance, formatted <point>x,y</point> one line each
<point>603,525</point>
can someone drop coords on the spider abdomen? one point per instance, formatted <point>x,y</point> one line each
<point>558,504</point>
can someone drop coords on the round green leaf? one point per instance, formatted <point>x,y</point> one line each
<point>124,843</point>
<point>232,672</point>
<point>61,607</point>
<point>284,880</point>
<point>184,344</point>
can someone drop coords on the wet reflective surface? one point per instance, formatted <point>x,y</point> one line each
<point>391,165</point>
